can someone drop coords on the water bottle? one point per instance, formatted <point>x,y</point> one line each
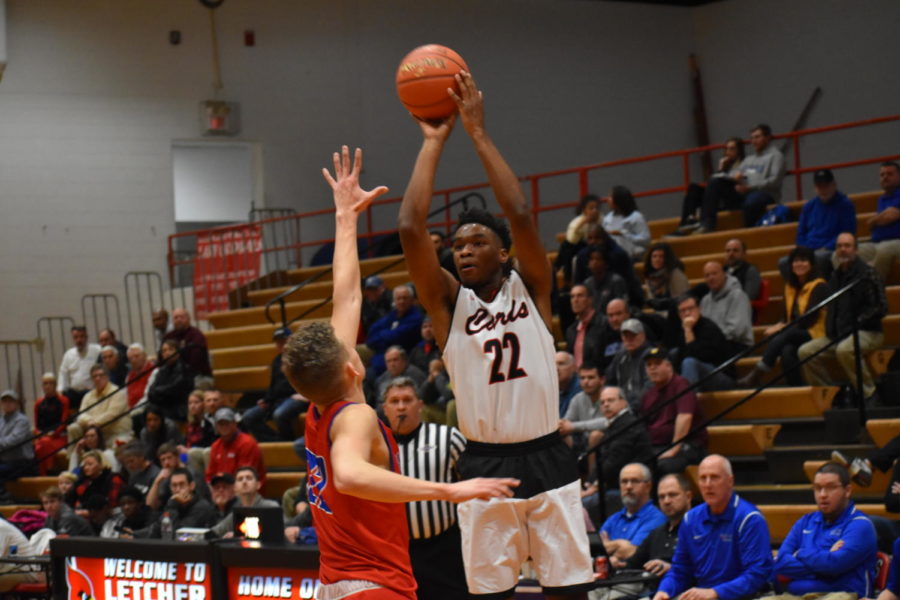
<point>166,528</point>
<point>13,550</point>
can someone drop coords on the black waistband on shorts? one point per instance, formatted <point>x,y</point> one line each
<point>515,449</point>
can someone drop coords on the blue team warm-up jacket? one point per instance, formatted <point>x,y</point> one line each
<point>808,555</point>
<point>729,553</point>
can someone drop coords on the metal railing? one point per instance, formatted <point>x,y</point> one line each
<point>101,311</point>
<point>55,335</point>
<point>21,367</point>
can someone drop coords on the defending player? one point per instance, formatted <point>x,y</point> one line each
<point>494,330</point>
<point>354,484</point>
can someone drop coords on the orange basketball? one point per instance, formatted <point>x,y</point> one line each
<point>423,78</point>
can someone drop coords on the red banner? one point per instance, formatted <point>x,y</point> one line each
<point>245,583</point>
<point>129,579</point>
<point>224,261</point>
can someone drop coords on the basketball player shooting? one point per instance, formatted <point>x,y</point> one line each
<point>494,329</point>
<point>354,485</point>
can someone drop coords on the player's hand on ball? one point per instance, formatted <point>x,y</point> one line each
<point>348,196</point>
<point>483,488</point>
<point>470,102</point>
<point>437,130</point>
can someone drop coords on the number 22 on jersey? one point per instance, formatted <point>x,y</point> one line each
<point>508,348</point>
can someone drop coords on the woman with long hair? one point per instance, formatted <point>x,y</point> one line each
<point>625,223</point>
<point>91,440</point>
<point>664,276</point>
<point>804,289</point>
<point>173,383</point>
<point>157,431</point>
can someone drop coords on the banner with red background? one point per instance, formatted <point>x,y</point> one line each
<point>129,579</point>
<point>224,261</point>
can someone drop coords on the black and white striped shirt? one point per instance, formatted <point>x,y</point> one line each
<point>430,453</point>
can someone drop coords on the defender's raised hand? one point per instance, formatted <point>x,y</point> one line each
<point>348,196</point>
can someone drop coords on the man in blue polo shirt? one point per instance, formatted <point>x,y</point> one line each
<point>832,549</point>
<point>723,548</point>
<point>624,531</point>
<point>885,225</point>
<point>892,591</point>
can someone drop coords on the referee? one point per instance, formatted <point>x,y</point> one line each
<point>428,451</point>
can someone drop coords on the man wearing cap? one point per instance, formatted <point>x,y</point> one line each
<point>822,219</point>
<point>222,494</point>
<point>885,225</point>
<point>376,301</point>
<point>671,414</point>
<point>233,449</point>
<point>16,452</point>
<point>280,401</point>
<point>627,367</point>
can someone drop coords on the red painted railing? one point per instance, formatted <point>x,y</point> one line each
<point>180,257</point>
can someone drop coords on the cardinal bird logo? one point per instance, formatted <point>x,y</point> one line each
<point>79,584</point>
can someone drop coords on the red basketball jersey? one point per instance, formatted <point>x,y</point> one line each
<point>358,539</point>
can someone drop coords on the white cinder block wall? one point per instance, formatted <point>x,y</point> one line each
<point>94,95</point>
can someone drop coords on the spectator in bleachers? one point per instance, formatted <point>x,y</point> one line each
<point>223,496</point>
<point>833,548</point>
<point>885,225</point>
<point>822,219</point>
<point>200,432</point>
<point>158,430</point>
<point>581,335</point>
<point>105,406</point>
<point>736,265</point>
<point>608,338</point>
<point>760,177</point>
<point>172,383</point>
<point>93,439</point>
<point>700,346</point>
<point>190,341</point>
<point>400,327</point>
<point>664,276</point>
<point>884,459</point>
<point>864,305</point>
<point>723,548</point>
<point>427,350</point>
<point>604,283</point>
<point>96,479</point>
<point>618,260</point>
<point>583,424</point>
<point>280,403</point>
<point>140,374</point>
<point>139,471</point>
<point>376,301</point>
<point>115,365</point>
<point>61,518</point>
<point>654,555</point>
<point>437,393</point>
<point>445,254</point>
<point>161,326</point>
<point>627,367</point>
<point>16,451</point>
<point>107,337</point>
<point>246,490</point>
<point>587,214</point>
<point>892,589</point>
<point>100,515</point>
<point>51,412</point>
<point>169,459</point>
<point>186,508</point>
<point>134,514</point>
<point>719,188</point>
<point>667,423</point>
<point>398,365</point>
<point>804,289</point>
<point>233,449</point>
<point>625,223</point>
<point>65,481</point>
<point>567,376</point>
<point>627,439</point>
<point>74,379</point>
<point>727,306</point>
<point>625,530</point>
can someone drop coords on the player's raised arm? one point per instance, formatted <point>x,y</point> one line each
<point>532,258</point>
<point>435,287</point>
<point>353,434</point>
<point>349,201</point>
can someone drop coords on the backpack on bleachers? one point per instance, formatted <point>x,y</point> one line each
<point>777,214</point>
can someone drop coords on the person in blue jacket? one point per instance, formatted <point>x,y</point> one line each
<point>723,548</point>
<point>832,549</point>
<point>892,591</point>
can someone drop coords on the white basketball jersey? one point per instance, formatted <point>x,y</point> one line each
<point>500,357</point>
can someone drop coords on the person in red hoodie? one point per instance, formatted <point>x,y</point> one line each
<point>51,413</point>
<point>233,449</point>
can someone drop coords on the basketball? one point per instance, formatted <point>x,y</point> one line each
<point>423,78</point>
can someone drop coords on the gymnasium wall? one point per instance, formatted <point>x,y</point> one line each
<point>94,95</point>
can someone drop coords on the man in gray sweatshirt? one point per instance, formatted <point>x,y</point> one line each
<point>727,305</point>
<point>760,177</point>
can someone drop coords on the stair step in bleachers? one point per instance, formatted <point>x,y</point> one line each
<point>243,356</point>
<point>880,481</point>
<point>367,266</point>
<point>319,290</point>
<point>783,234</point>
<point>242,379</point>
<point>786,462</point>
<point>773,403</point>
<point>781,517</point>
<point>731,440</point>
<point>29,488</point>
<point>250,335</point>
<point>278,483</point>
<point>890,323</point>
<point>883,430</point>
<point>281,455</point>
<point>257,315</point>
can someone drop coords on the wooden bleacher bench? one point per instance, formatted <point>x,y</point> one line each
<point>29,488</point>
<point>278,483</point>
<point>8,510</point>
<point>883,430</point>
<point>880,481</point>
<point>741,440</point>
<point>781,517</point>
<point>772,403</point>
<point>281,455</point>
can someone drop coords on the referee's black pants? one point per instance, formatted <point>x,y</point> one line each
<point>438,566</point>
